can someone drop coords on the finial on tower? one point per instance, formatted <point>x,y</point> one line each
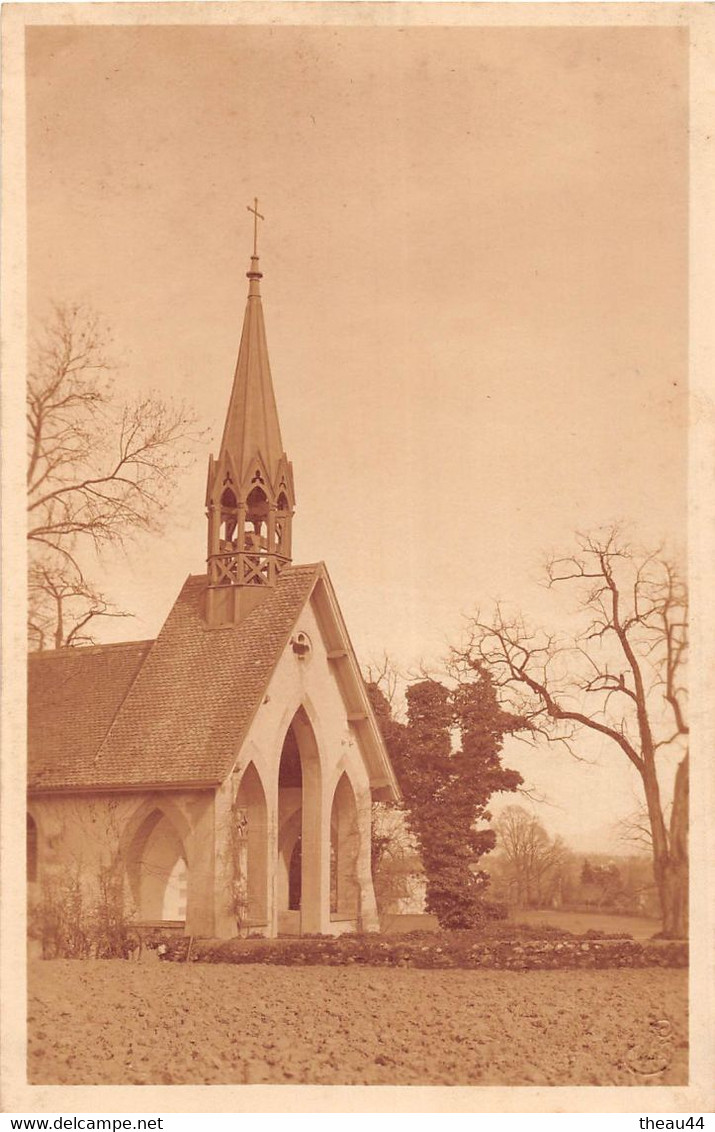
<point>256,217</point>
<point>254,273</point>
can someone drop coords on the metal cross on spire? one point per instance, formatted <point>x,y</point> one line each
<point>256,217</point>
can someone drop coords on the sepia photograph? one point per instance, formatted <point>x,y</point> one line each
<point>354,555</point>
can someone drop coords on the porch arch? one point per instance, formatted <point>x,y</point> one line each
<point>289,878</point>
<point>251,798</point>
<point>344,848</point>
<point>167,807</point>
<point>157,866</point>
<point>300,816</point>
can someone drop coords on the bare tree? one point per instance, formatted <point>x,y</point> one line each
<point>534,862</point>
<point>61,606</point>
<point>634,829</point>
<point>386,676</point>
<point>395,862</point>
<point>620,676</point>
<point>99,470</point>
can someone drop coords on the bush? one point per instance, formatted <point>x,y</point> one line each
<point>60,920</point>
<point>464,949</point>
<point>74,923</point>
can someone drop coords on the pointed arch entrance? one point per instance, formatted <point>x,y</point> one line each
<point>251,798</point>
<point>344,845</point>
<point>301,889</point>
<point>157,870</point>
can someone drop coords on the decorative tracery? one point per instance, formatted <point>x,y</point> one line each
<point>252,543</point>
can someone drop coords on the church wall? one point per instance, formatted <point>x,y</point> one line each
<point>79,835</point>
<point>308,681</point>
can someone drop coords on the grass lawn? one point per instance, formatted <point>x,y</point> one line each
<point>640,927</point>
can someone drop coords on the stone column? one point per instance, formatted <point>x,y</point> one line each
<point>200,879</point>
<point>368,918</point>
<point>218,882</point>
<point>315,848</point>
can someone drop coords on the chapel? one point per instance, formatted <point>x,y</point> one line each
<point>225,771</point>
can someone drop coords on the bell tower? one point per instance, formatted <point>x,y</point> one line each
<point>250,497</point>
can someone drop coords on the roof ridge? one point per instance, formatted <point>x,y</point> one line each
<point>83,650</point>
<point>120,705</point>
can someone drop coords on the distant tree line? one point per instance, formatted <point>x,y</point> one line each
<point>530,869</point>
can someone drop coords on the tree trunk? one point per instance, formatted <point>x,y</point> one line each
<point>59,627</point>
<point>670,850</point>
<point>673,889</point>
<point>674,884</point>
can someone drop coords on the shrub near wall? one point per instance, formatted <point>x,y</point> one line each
<point>457,950</point>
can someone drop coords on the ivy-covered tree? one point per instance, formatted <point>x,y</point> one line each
<point>447,760</point>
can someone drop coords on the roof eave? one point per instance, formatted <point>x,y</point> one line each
<point>125,788</point>
<point>383,782</point>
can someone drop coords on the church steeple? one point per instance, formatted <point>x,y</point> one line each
<point>249,497</point>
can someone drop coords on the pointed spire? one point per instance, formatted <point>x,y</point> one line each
<point>249,496</point>
<point>252,429</point>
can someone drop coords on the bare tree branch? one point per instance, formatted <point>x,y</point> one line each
<point>98,471</point>
<point>62,605</point>
<point>620,675</point>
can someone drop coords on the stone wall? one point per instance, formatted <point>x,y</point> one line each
<point>444,950</point>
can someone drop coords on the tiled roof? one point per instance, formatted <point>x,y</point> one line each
<point>73,696</point>
<point>174,711</point>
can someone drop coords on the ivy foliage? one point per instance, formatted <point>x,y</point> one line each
<point>447,758</point>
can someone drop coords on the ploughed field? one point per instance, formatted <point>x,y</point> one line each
<point>119,1022</point>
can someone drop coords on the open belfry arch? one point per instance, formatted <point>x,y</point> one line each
<point>229,767</point>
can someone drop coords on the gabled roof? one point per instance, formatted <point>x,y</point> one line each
<point>174,712</point>
<point>181,718</point>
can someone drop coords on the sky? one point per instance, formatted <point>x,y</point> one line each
<point>475,291</point>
